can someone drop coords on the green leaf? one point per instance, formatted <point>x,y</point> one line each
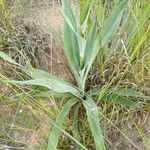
<point>52,94</point>
<point>120,100</point>
<point>68,21</point>
<point>67,11</point>
<point>128,92</point>
<point>90,44</point>
<point>84,8</point>
<point>54,135</point>
<point>75,127</point>
<point>52,84</point>
<point>73,139</point>
<point>112,23</point>
<point>59,85</point>
<point>39,74</point>
<point>95,51</point>
<point>95,91</point>
<point>93,119</point>
<point>87,53</point>
<point>71,37</point>
<point>71,48</point>
<point>7,58</point>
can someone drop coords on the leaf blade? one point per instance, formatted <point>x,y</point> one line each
<point>52,84</point>
<point>90,43</point>
<point>7,58</point>
<point>53,140</point>
<point>128,92</point>
<point>112,23</point>
<point>121,101</point>
<point>70,37</point>
<point>75,129</point>
<point>93,119</point>
<point>57,82</point>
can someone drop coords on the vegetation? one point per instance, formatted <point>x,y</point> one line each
<point>106,39</point>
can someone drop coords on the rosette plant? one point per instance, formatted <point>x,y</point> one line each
<point>81,44</point>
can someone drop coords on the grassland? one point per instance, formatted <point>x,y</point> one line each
<point>30,33</point>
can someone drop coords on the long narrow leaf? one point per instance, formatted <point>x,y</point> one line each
<point>112,23</point>
<point>52,94</point>
<point>7,58</point>
<point>95,51</point>
<point>66,7</point>
<point>75,128</point>
<point>71,48</point>
<point>52,84</point>
<point>53,140</point>
<point>128,92</point>
<point>82,147</point>
<point>88,52</point>
<point>93,119</point>
<point>70,37</point>
<point>90,43</point>
<point>58,84</point>
<point>85,9</point>
<point>121,101</point>
<point>37,73</point>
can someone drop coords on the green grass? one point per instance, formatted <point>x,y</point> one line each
<point>121,62</point>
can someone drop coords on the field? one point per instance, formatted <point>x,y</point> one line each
<point>74,75</point>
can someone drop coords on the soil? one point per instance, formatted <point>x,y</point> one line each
<point>53,57</point>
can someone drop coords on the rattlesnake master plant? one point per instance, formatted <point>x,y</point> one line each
<point>81,45</point>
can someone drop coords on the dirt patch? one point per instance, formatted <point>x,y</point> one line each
<point>50,16</point>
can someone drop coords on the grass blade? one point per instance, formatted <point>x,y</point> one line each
<point>93,119</point>
<point>53,140</point>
